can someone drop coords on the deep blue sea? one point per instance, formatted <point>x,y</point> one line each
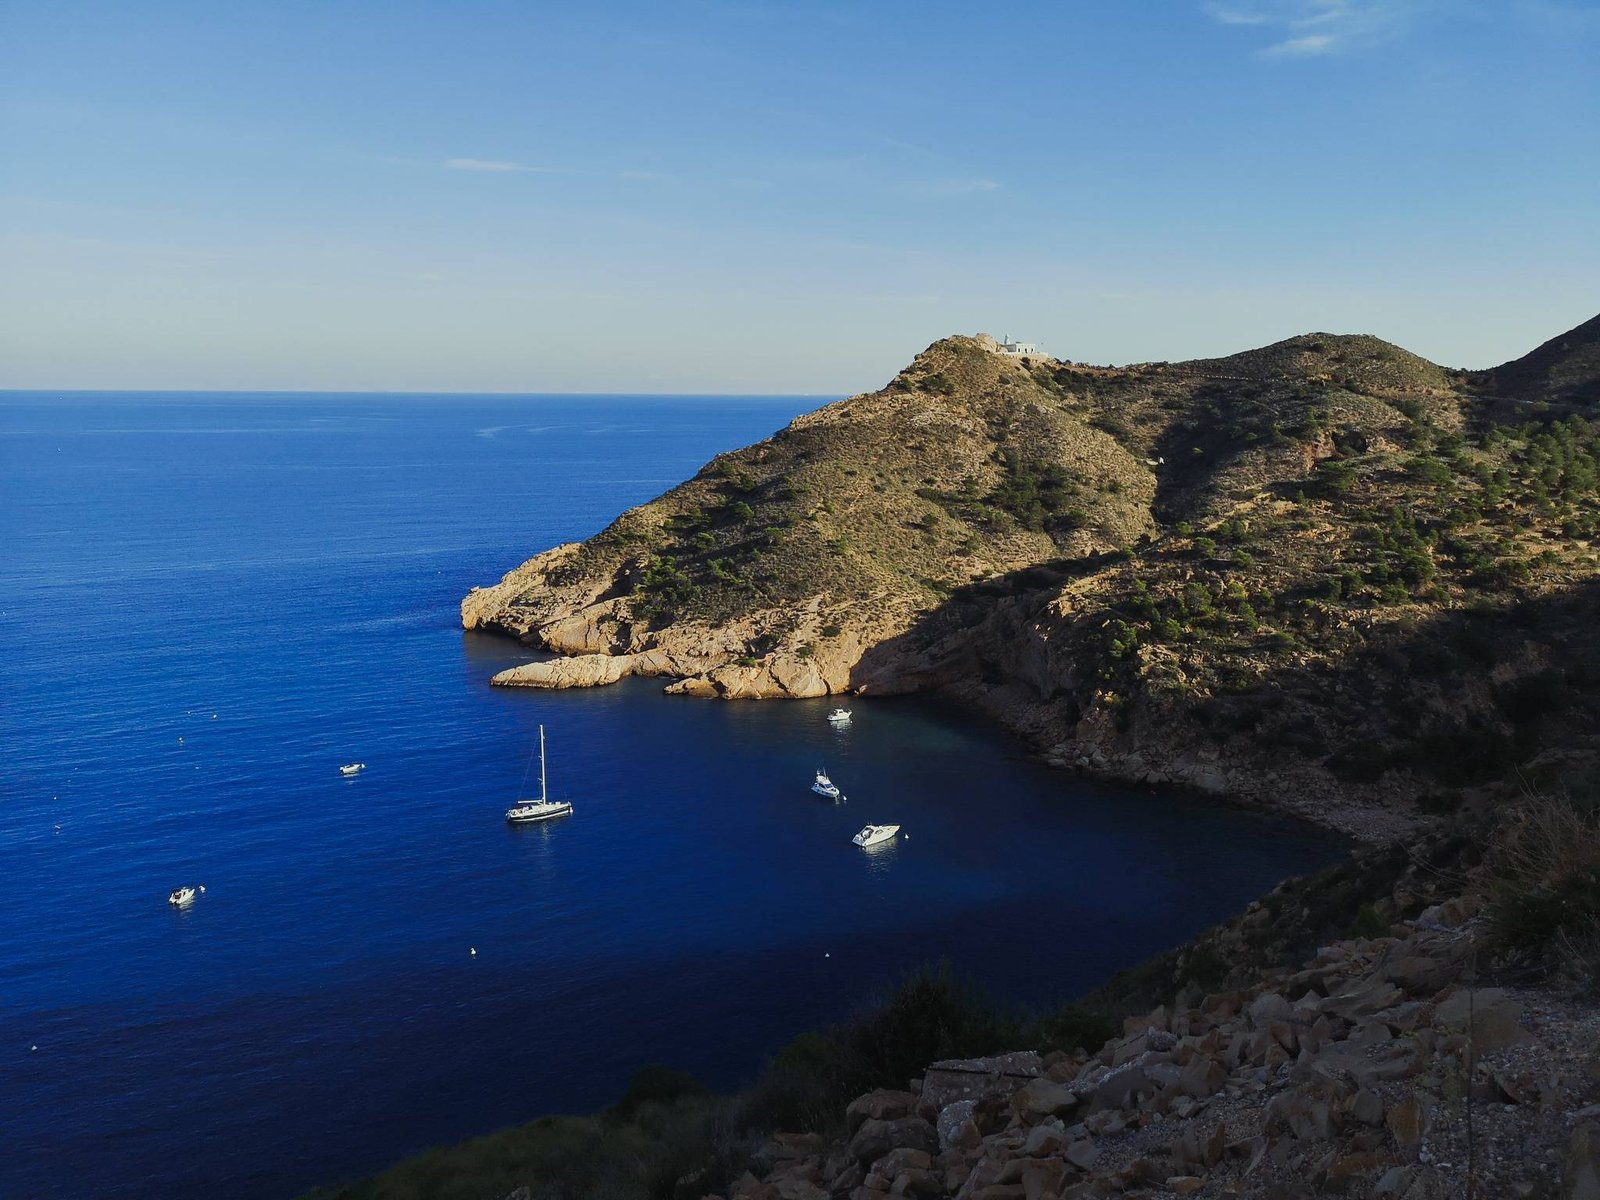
<point>209,602</point>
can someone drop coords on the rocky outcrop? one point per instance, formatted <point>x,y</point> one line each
<point>1377,1069</point>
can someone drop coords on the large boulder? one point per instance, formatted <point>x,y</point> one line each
<point>1043,1098</point>
<point>953,1122</point>
<point>881,1105</point>
<point>874,1138</point>
<point>954,1079</point>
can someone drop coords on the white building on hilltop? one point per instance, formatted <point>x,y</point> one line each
<point>1018,349</point>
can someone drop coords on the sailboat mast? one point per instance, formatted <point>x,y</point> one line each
<point>543,798</point>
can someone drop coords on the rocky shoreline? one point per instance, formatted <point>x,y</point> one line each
<point>698,662</point>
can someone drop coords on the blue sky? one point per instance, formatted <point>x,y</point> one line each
<point>777,197</point>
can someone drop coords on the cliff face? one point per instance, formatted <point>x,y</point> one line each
<point>1326,575</point>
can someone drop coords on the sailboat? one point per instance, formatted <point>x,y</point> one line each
<point>542,809</point>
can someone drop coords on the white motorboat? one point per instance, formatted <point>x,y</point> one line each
<point>839,716</point>
<point>184,896</point>
<point>525,812</point>
<point>823,786</point>
<point>874,835</point>
<point>352,768</point>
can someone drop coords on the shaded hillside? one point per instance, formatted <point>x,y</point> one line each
<point>1565,369</point>
<point>1325,574</point>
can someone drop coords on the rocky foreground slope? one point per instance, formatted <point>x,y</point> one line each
<point>1379,1069</point>
<point>1326,576</point>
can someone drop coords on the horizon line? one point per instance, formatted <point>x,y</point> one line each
<point>147,391</point>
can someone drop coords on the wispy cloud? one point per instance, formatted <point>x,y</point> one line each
<point>1312,28</point>
<point>934,188</point>
<point>1234,16</point>
<point>1303,47</point>
<point>494,165</point>
<point>490,166</point>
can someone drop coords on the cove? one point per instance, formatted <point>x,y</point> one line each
<point>292,565</point>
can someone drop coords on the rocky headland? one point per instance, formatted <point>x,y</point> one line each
<point>1326,577</point>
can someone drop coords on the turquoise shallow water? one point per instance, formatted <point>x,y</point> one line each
<point>208,602</point>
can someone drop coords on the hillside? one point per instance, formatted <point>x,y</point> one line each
<point>1564,370</point>
<point>1325,575</point>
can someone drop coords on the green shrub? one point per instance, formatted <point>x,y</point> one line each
<point>655,1084</point>
<point>1073,1028</point>
<point>1545,894</point>
<point>1369,923</point>
<point>1036,494</point>
<point>1333,478</point>
<point>928,1017</point>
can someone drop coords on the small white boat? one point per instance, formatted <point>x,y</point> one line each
<point>839,716</point>
<point>874,835</point>
<point>184,896</point>
<point>525,812</point>
<point>823,786</point>
<point>352,768</point>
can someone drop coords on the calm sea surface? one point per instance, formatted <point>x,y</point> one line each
<point>209,602</point>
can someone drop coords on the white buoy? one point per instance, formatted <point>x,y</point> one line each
<point>473,952</point>
<point>825,954</point>
<point>33,1047</point>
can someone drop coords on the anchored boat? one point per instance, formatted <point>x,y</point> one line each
<point>874,835</point>
<point>525,812</point>
<point>823,786</point>
<point>184,896</point>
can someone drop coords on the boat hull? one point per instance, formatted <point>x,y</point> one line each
<point>876,835</point>
<point>531,814</point>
